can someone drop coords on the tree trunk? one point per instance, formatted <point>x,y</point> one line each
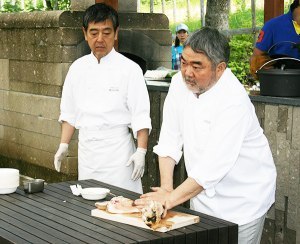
<point>138,3</point>
<point>151,6</point>
<point>174,11</point>
<point>253,12</point>
<point>34,3</point>
<point>202,13</point>
<point>243,5</point>
<point>217,13</point>
<point>188,9</point>
<point>55,5</point>
<point>163,6</point>
<point>48,5</point>
<point>22,4</point>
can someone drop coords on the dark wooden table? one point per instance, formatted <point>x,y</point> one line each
<point>58,216</point>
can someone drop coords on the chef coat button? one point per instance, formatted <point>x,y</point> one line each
<point>210,192</point>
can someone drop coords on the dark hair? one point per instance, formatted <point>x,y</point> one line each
<point>100,12</point>
<point>177,42</point>
<point>210,42</point>
<point>294,5</point>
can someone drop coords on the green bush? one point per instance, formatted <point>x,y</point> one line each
<point>241,48</point>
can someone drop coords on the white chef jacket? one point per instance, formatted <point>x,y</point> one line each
<point>225,150</point>
<point>102,100</point>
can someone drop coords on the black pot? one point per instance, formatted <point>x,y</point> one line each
<point>279,82</point>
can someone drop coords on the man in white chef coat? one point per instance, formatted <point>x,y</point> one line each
<point>207,112</point>
<point>103,95</point>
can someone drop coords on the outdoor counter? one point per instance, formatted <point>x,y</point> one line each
<point>163,86</point>
<point>57,216</point>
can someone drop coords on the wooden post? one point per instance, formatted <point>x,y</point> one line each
<point>273,8</point>
<point>114,4</point>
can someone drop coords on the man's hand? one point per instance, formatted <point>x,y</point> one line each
<point>159,195</point>
<point>60,155</point>
<point>138,161</point>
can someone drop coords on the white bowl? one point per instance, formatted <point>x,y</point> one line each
<point>94,193</point>
<point>8,190</point>
<point>9,178</point>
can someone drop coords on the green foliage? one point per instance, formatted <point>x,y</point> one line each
<point>241,48</point>
<point>8,7</point>
<point>241,4</point>
<point>243,19</point>
<point>62,4</point>
<point>54,4</point>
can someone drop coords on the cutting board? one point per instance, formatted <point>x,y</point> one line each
<point>172,221</point>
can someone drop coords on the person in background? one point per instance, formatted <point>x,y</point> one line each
<point>279,36</point>
<point>103,95</point>
<point>208,114</point>
<point>182,32</point>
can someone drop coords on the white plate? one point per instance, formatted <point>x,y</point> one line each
<point>94,193</point>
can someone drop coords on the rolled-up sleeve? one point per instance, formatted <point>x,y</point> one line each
<point>67,105</point>
<point>138,102</point>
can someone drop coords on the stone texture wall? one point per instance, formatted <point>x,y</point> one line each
<point>36,50</point>
<point>281,124</point>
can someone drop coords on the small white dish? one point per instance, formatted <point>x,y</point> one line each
<point>94,193</point>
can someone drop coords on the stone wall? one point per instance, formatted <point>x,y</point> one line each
<point>36,50</point>
<point>281,124</point>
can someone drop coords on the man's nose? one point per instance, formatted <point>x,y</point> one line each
<point>99,37</point>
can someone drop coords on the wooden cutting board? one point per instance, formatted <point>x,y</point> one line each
<point>172,221</point>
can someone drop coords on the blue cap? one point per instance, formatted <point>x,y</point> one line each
<point>182,27</point>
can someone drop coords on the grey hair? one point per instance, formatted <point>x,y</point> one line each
<point>210,42</point>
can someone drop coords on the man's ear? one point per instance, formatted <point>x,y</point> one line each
<point>116,34</point>
<point>84,32</point>
<point>220,69</point>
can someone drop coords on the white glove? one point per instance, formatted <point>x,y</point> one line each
<point>60,155</point>
<point>138,160</point>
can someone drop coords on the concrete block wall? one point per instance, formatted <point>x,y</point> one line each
<point>36,50</point>
<point>281,125</point>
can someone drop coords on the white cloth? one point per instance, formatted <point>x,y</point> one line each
<point>225,149</point>
<point>102,97</point>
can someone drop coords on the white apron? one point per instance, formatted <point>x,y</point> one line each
<point>103,154</point>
